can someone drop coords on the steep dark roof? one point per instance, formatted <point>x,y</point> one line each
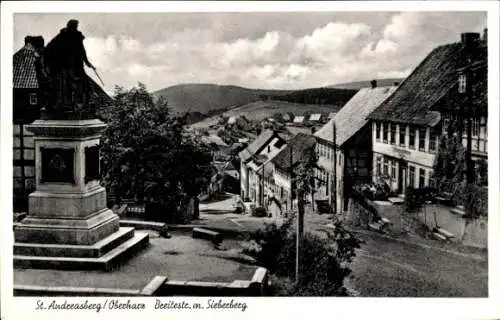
<point>298,146</point>
<point>25,76</point>
<point>257,144</point>
<point>452,101</point>
<point>24,70</point>
<point>426,86</point>
<point>352,117</point>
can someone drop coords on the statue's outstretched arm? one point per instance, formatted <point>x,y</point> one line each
<point>85,59</point>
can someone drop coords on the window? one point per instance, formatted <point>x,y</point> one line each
<point>402,135</point>
<point>386,166</point>
<point>411,176</point>
<point>393,170</point>
<point>33,99</point>
<point>379,166</point>
<point>412,137</point>
<point>462,82</point>
<point>432,140</point>
<point>421,178</point>
<point>384,132</point>
<point>421,139</point>
<point>377,131</point>
<point>475,127</point>
<point>392,134</point>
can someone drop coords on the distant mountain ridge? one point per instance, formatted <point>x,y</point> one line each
<point>202,100</point>
<point>206,98</point>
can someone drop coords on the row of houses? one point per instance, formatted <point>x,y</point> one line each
<point>287,117</point>
<point>386,134</point>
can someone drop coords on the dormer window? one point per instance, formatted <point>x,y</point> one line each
<point>33,99</point>
<point>462,82</point>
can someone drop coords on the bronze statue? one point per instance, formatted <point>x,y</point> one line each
<point>66,85</point>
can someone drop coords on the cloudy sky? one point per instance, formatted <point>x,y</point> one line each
<point>256,50</point>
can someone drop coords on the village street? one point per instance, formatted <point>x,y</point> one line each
<point>384,266</point>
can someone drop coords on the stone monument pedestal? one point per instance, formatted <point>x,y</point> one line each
<point>68,225</point>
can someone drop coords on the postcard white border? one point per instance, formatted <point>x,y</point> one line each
<point>278,308</point>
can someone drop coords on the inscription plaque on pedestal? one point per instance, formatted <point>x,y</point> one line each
<point>57,165</point>
<point>92,171</point>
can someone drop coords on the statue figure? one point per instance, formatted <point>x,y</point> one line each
<point>66,85</point>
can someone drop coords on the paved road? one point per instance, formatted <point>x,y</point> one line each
<point>412,267</point>
<point>389,267</point>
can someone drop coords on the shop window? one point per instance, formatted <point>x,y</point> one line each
<point>421,178</point>
<point>411,176</point>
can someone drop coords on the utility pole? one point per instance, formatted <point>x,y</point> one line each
<point>334,180</point>
<point>291,178</point>
<point>261,196</point>
<point>469,164</point>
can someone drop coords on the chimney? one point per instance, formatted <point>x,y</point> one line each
<point>373,83</point>
<point>313,130</point>
<point>470,40</point>
<point>485,36</point>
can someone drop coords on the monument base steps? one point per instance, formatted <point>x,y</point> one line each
<point>121,245</point>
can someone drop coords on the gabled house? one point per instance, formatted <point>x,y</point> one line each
<point>26,108</point>
<point>315,117</point>
<point>407,126</point>
<point>298,120</point>
<point>253,162</point>
<point>283,164</point>
<point>353,145</point>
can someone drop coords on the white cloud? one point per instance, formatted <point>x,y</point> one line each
<point>332,53</point>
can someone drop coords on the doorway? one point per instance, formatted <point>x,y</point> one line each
<point>402,175</point>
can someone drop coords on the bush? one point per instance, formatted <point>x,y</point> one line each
<point>324,260</point>
<point>413,200</point>
<point>259,212</point>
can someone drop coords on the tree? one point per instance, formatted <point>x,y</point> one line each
<point>449,173</point>
<point>303,180</point>
<point>148,157</point>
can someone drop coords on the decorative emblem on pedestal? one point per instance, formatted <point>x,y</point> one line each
<point>57,165</point>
